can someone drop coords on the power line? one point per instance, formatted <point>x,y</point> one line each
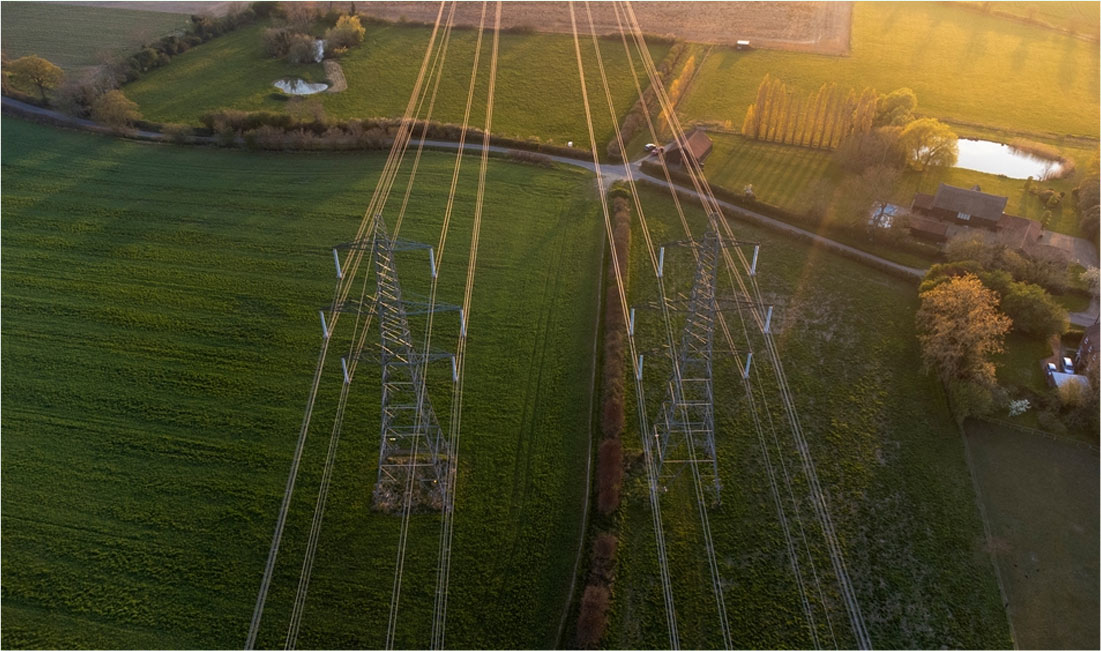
<point>447,529</point>
<point>397,149</point>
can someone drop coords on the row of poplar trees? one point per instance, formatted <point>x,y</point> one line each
<point>821,120</point>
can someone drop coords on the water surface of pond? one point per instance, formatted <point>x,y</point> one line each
<point>299,86</point>
<point>996,158</point>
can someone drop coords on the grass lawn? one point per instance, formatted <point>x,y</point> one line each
<point>160,334</point>
<point>77,36</point>
<point>886,449</point>
<point>964,66</point>
<point>538,94</point>
<point>1040,498</point>
<point>789,177</point>
<point>1019,365</point>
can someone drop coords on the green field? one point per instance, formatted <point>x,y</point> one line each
<point>538,93</point>
<point>77,36</point>
<point>789,177</point>
<point>1075,17</point>
<point>963,65</point>
<point>1040,497</point>
<point>885,445</point>
<point>160,334</point>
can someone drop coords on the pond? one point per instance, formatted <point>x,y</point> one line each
<point>997,158</point>
<point>299,86</point>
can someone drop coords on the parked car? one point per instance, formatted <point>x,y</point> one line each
<point>1068,366</point>
<point>1051,368</point>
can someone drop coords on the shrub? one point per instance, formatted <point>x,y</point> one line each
<point>347,33</point>
<point>609,473</point>
<point>115,110</point>
<point>542,160</point>
<point>300,49</point>
<point>177,133</point>
<point>969,399</point>
<point>1018,407</point>
<point>1074,394</point>
<point>76,95</point>
<point>1090,223</point>
<point>613,420</point>
<point>603,561</point>
<point>1034,311</point>
<point>225,135</point>
<point>1050,421</point>
<point>276,41</point>
<point>860,151</point>
<point>593,616</point>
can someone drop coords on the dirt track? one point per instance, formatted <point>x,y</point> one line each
<point>822,27</point>
<point>213,8</point>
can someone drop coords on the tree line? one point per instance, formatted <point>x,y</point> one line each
<point>820,120</point>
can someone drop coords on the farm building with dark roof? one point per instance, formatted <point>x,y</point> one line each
<point>697,144</point>
<point>961,206</point>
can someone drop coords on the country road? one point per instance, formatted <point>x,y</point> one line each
<point>611,172</point>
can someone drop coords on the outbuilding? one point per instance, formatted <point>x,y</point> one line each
<point>697,145</point>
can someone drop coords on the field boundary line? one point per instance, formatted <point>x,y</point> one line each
<point>975,484</point>
<point>692,80</point>
<point>1039,432</point>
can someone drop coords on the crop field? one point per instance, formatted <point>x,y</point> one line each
<point>73,37</point>
<point>791,177</point>
<point>963,65</point>
<point>160,309</point>
<point>538,94</point>
<point>885,446</point>
<point>803,26</point>
<point>1040,497</point>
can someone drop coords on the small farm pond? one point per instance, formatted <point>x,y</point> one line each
<point>299,86</point>
<point>997,158</point>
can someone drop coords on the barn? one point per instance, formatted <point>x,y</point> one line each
<point>697,145</point>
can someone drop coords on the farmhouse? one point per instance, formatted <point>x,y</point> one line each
<point>697,145</point>
<point>938,217</point>
<point>965,207</point>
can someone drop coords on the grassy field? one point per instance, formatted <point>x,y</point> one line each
<point>1040,497</point>
<point>964,66</point>
<point>535,71</point>
<point>1074,17</point>
<point>160,332</point>
<point>791,177</point>
<point>886,449</point>
<point>77,36</point>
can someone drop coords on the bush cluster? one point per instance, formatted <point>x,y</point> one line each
<point>635,120</point>
<point>1087,202</point>
<point>305,126</point>
<point>592,618</point>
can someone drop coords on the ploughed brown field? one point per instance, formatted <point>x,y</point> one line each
<point>804,26</point>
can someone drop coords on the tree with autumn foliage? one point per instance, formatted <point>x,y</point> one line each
<point>960,328</point>
<point>928,142</point>
<point>35,71</point>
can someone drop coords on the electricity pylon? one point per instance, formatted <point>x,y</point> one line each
<point>684,430</point>
<point>413,452</point>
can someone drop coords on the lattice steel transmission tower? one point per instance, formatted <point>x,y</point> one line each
<point>413,452</point>
<point>684,429</point>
